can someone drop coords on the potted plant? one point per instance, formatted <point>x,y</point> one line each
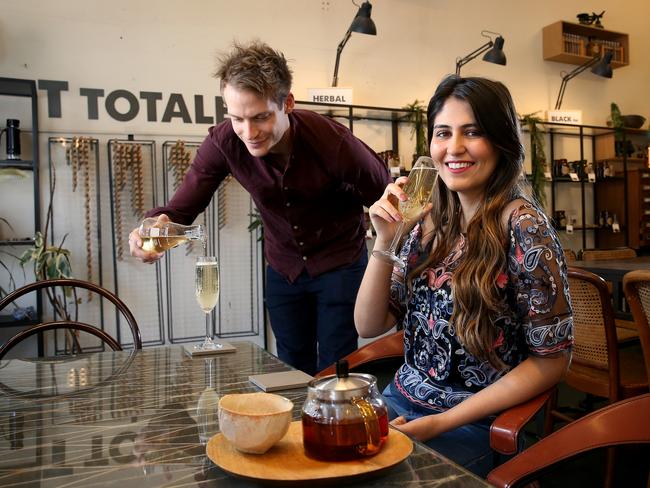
<point>537,155</point>
<point>418,117</point>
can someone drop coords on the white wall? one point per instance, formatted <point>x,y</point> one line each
<point>170,46</point>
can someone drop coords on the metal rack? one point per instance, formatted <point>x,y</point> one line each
<point>14,87</point>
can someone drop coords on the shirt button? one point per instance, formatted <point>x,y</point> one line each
<point>295,227</point>
<point>286,188</point>
<point>288,204</point>
<point>301,243</point>
<point>304,258</point>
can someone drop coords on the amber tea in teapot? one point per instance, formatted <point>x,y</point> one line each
<point>344,417</point>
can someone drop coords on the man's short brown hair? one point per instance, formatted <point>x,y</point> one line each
<point>258,68</point>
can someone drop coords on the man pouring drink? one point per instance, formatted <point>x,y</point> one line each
<point>309,177</point>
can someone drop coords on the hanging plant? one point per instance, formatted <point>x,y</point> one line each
<point>537,155</point>
<point>418,117</point>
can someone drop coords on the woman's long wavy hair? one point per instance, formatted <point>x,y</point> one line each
<point>477,297</point>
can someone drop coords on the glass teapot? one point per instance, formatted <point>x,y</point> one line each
<point>344,416</point>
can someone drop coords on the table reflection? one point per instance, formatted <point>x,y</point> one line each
<point>132,419</point>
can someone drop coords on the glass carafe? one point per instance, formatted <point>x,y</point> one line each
<point>161,236</point>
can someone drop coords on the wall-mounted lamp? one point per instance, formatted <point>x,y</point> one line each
<point>494,55</point>
<point>361,23</point>
<point>601,67</point>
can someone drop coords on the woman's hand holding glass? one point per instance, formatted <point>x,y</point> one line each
<point>402,205</point>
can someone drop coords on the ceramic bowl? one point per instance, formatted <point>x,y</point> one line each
<point>254,422</point>
<point>633,121</point>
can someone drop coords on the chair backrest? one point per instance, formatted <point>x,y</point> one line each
<point>637,292</point>
<point>67,321</point>
<point>381,358</point>
<point>604,254</point>
<point>594,330</point>
<point>625,422</point>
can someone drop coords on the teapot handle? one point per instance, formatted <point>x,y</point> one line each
<point>371,423</point>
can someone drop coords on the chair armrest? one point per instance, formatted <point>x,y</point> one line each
<point>389,346</point>
<point>505,429</point>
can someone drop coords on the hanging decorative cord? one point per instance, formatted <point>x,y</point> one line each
<point>179,163</point>
<point>128,164</point>
<point>78,158</point>
<point>222,208</point>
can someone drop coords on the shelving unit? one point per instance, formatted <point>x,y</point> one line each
<point>357,113</point>
<point>618,194</point>
<point>14,87</point>
<point>567,42</point>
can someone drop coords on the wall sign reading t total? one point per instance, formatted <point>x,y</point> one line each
<point>124,106</point>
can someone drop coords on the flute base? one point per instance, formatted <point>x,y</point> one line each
<point>217,348</point>
<point>390,258</point>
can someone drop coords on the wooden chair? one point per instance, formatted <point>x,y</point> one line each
<point>636,285</point>
<point>625,330</point>
<point>624,422</point>
<point>598,366</point>
<point>69,319</point>
<point>383,356</point>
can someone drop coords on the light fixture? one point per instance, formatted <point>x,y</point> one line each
<point>361,23</point>
<point>494,55</point>
<point>601,67</point>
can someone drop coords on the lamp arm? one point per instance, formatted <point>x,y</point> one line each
<point>463,61</point>
<point>339,50</point>
<point>570,75</point>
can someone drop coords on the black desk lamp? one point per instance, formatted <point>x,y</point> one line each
<point>601,67</point>
<point>494,55</point>
<point>361,23</point>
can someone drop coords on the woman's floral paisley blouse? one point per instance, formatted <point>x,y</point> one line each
<point>535,317</point>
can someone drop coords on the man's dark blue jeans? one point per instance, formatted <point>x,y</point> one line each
<point>313,318</point>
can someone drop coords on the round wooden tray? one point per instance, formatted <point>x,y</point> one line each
<point>286,461</point>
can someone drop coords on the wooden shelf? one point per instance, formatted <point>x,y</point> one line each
<point>567,42</point>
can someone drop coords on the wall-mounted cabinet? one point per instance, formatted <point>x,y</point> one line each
<point>567,42</point>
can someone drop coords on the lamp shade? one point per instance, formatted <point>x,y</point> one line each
<point>603,67</point>
<point>362,23</point>
<point>496,54</point>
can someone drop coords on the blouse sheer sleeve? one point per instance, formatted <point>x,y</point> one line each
<point>537,269</point>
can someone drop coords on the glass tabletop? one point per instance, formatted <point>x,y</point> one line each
<point>129,419</point>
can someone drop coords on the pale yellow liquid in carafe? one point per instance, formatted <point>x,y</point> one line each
<point>161,244</point>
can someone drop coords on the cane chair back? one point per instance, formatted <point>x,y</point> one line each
<point>68,320</point>
<point>599,366</point>
<point>625,330</point>
<point>637,292</point>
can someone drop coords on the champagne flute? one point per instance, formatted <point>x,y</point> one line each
<point>207,294</point>
<point>418,188</point>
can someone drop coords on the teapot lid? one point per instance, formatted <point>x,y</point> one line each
<point>344,384</point>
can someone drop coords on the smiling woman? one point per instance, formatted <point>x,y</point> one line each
<point>475,288</point>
